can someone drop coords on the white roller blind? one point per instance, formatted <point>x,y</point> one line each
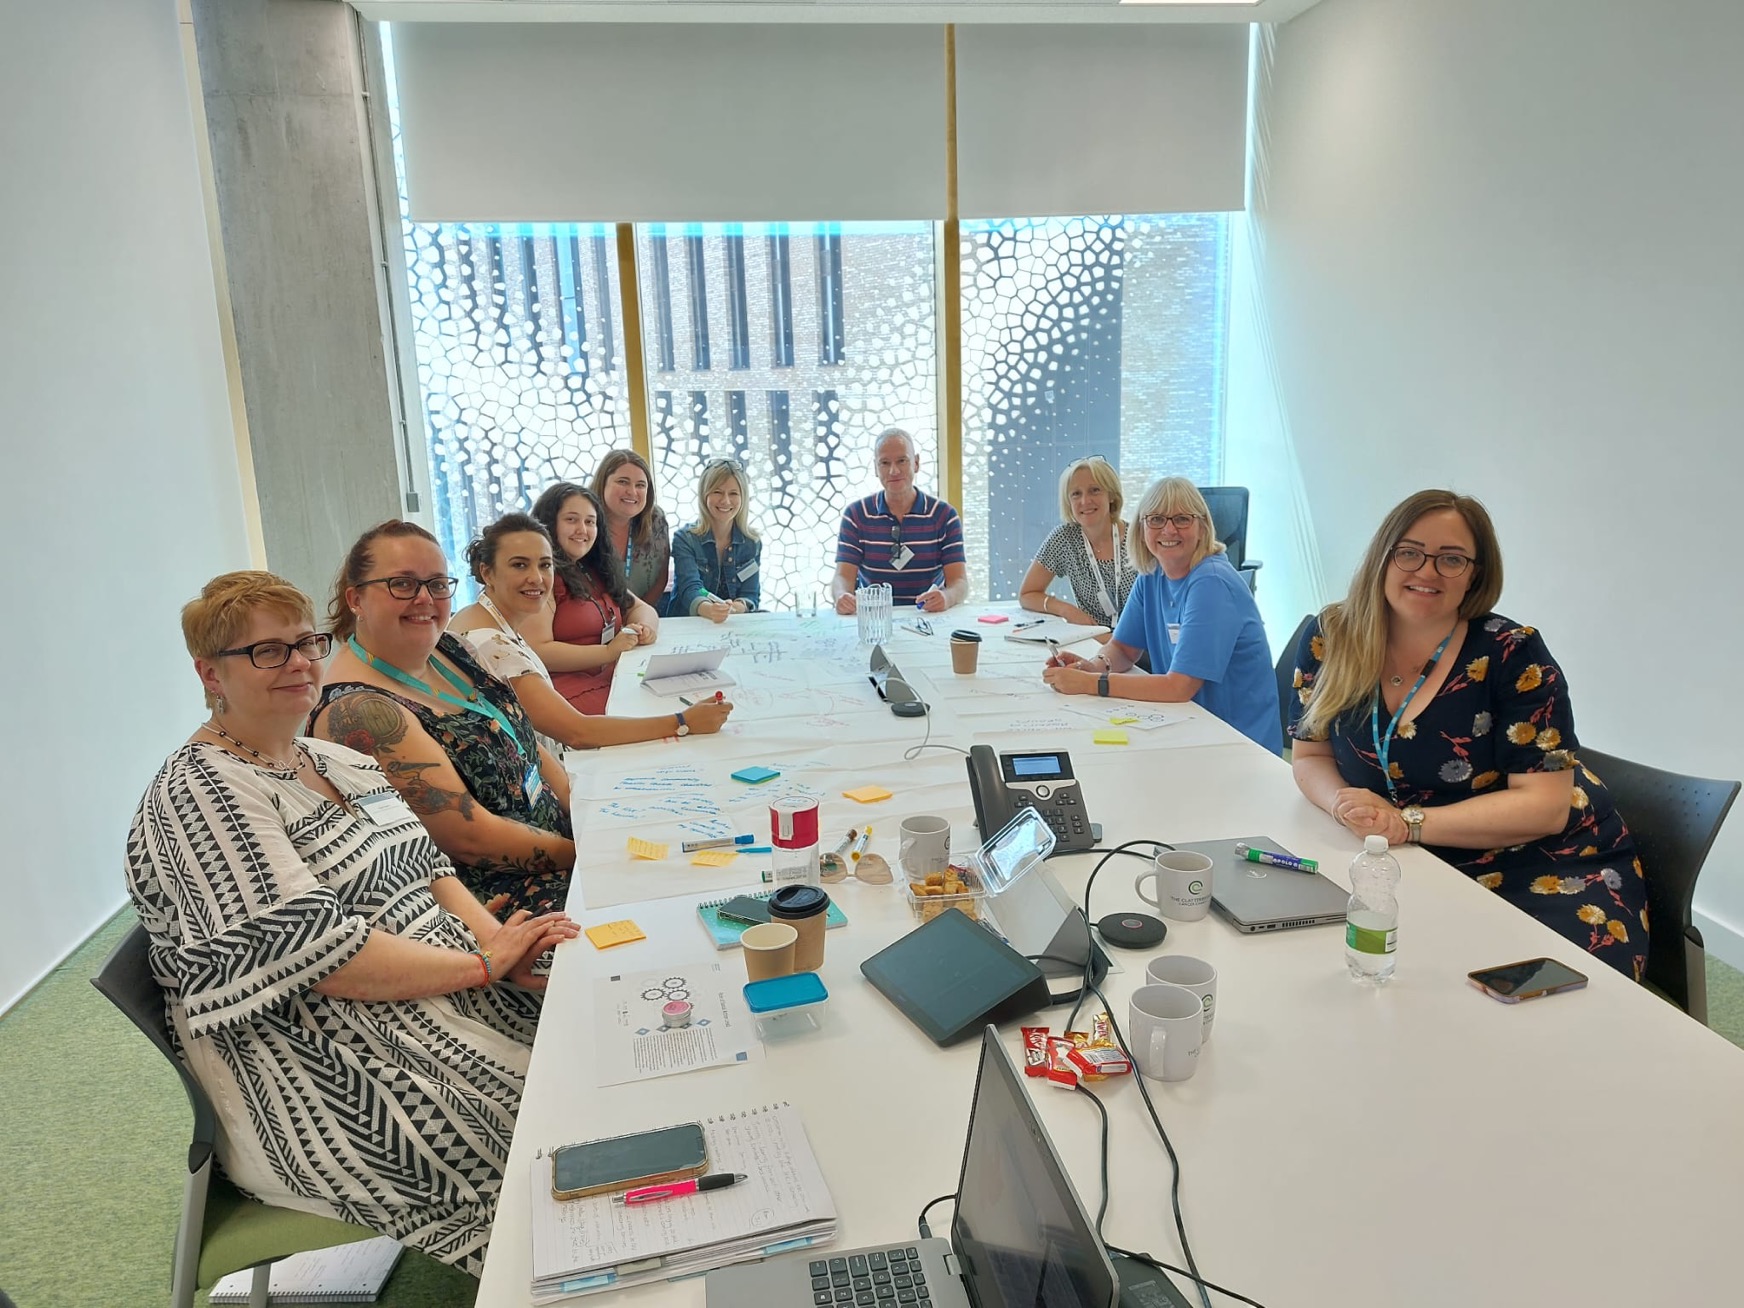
<point>558,122</point>
<point>1101,119</point>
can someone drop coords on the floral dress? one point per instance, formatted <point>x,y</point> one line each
<point>1504,709</point>
<point>496,769</point>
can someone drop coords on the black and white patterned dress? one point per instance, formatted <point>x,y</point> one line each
<point>253,888</point>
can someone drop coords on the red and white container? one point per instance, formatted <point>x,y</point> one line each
<point>793,837</point>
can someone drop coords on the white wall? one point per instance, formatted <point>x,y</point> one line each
<point>1503,254</point>
<point>124,493</point>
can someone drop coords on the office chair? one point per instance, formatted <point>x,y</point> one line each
<point>1286,673</point>
<point>1228,505</point>
<point>220,1231</point>
<point>1674,819</point>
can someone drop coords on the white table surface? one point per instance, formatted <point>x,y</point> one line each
<point>1418,1145</point>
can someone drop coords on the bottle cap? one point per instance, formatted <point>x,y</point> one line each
<point>1374,844</point>
<point>793,823</point>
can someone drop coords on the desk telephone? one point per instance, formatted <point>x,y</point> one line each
<point>1002,784</point>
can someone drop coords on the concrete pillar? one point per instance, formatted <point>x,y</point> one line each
<point>281,83</point>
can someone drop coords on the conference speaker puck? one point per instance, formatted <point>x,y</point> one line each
<point>1132,930</point>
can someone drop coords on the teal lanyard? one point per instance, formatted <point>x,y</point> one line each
<point>473,703</point>
<point>1384,744</point>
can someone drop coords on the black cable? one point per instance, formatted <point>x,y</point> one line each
<point>1125,847</point>
<point>1200,1281</point>
<point>1102,1208</point>
<point>926,1232</point>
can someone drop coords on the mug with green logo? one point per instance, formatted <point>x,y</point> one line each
<point>1183,880</point>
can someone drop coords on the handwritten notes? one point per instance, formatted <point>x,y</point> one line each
<point>640,848</point>
<point>621,932</point>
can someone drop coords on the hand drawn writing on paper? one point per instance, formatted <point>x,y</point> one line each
<point>662,781</point>
<point>687,805</point>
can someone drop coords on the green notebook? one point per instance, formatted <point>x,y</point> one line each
<point>726,931</point>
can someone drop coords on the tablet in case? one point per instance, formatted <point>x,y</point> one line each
<point>951,977</point>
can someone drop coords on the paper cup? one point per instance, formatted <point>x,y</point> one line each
<point>768,949</point>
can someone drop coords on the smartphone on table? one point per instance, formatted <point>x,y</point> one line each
<point>1513,982</point>
<point>672,1153</point>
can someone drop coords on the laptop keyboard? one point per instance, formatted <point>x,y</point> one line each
<point>881,1278</point>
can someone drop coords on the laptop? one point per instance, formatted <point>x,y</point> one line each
<point>1020,1237</point>
<point>1252,897</point>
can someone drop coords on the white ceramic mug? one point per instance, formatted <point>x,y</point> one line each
<point>1193,974</point>
<point>1183,884</point>
<point>1164,1029</point>
<point>924,846</point>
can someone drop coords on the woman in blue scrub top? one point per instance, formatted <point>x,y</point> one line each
<point>717,559</point>
<point>1193,614</point>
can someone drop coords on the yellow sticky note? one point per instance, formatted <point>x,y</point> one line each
<point>1122,719</point>
<point>713,857</point>
<point>1109,736</point>
<point>866,794</point>
<point>640,848</point>
<point>607,934</point>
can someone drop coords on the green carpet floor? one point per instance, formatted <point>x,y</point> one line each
<point>95,1130</point>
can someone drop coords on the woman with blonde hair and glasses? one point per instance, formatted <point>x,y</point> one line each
<point>1086,549</point>
<point>1424,716</point>
<point>1195,617</point>
<point>360,1022</point>
<point>717,559</point>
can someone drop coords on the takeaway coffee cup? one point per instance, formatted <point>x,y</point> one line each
<point>768,950</point>
<point>965,652</point>
<point>1164,1029</point>
<point>806,909</point>
<point>1183,880</point>
<point>1193,974</point>
<point>924,846</point>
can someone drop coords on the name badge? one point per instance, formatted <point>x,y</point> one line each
<point>1174,633</point>
<point>748,571</point>
<point>901,558</point>
<point>535,783</point>
<point>376,807</point>
<point>609,630</point>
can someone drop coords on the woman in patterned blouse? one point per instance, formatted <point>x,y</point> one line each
<point>512,560</point>
<point>1087,550</point>
<point>1421,715</point>
<point>361,1023</point>
<point>453,740</point>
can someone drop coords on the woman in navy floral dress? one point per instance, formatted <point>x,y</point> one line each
<point>1421,715</point>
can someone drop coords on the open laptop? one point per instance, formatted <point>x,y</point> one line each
<point>1020,1236</point>
<point>1252,897</point>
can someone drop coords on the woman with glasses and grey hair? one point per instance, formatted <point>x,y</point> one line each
<point>717,560</point>
<point>360,1022</point>
<point>1423,716</point>
<point>453,739</point>
<point>1195,617</point>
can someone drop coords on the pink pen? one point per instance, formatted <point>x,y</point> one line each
<point>653,1194</point>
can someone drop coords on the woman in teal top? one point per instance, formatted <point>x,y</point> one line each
<point>717,560</point>
<point>1194,615</point>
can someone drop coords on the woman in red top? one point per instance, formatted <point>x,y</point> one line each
<point>591,618</point>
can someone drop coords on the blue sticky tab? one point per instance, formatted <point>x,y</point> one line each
<point>755,776</point>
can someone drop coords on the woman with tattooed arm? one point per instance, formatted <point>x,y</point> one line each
<point>453,740</point>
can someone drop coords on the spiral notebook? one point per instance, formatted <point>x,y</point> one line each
<point>583,1246</point>
<point>725,931</point>
<point>346,1273</point>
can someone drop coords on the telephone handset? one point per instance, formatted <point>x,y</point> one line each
<point>1001,784</point>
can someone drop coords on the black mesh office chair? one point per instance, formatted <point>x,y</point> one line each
<point>1228,505</point>
<point>1286,671</point>
<point>1674,819</point>
<point>220,1230</point>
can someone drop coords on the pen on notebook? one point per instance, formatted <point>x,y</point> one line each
<point>1270,859</point>
<point>720,842</point>
<point>678,1189</point>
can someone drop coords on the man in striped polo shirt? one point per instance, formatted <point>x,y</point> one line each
<point>902,536</point>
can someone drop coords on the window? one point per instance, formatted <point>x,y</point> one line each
<point>738,310</point>
<point>698,297</point>
<point>780,300</point>
<point>831,346</point>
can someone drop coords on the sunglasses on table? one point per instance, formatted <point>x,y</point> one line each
<point>276,653</point>
<point>1408,558</point>
<point>407,588</point>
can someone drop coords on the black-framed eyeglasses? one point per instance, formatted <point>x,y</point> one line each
<point>276,653</point>
<point>407,588</point>
<point>1449,563</point>
<point>1179,521</point>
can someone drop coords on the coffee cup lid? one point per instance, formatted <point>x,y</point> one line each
<point>798,901</point>
<point>974,637</point>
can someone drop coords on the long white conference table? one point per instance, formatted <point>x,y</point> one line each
<point>1341,1146</point>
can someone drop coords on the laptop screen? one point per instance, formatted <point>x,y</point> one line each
<point>1020,1232</point>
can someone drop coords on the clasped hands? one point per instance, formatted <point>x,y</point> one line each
<point>1071,674</point>
<point>517,944</point>
<point>632,635</point>
<point>1369,814</point>
<point>929,601</point>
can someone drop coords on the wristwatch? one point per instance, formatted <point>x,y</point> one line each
<point>1413,816</point>
<point>683,726</point>
<point>1102,684</point>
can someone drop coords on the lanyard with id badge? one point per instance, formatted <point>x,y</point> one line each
<point>469,700</point>
<point>900,555</point>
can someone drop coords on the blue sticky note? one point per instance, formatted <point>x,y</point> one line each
<point>755,776</point>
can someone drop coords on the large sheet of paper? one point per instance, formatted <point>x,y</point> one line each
<point>631,1043</point>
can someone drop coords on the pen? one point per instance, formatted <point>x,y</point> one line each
<point>847,842</point>
<point>757,849</point>
<point>1270,859</point>
<point>687,703</point>
<point>1024,626</point>
<point>722,842</point>
<point>860,844</point>
<point>655,1193</point>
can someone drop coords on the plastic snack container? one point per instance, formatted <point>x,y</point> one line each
<point>787,1005</point>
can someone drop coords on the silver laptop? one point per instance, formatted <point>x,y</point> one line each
<point>1020,1237</point>
<point>1252,897</point>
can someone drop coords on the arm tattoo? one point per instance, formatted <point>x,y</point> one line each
<point>370,724</point>
<point>423,796</point>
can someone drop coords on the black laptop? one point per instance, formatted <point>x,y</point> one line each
<point>1020,1237</point>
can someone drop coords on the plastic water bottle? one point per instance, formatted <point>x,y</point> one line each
<point>1371,923</point>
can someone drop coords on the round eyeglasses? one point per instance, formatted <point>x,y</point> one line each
<point>277,653</point>
<point>407,588</point>
<point>1449,563</point>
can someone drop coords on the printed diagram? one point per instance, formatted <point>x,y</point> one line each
<point>657,997</point>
